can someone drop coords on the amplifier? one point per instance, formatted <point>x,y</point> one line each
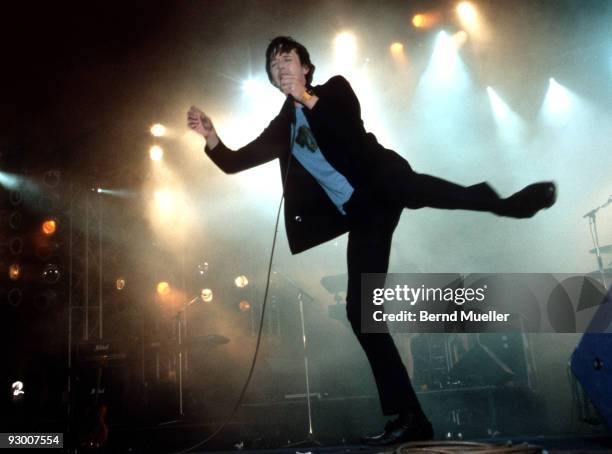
<point>102,351</point>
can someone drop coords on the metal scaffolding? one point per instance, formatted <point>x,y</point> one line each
<point>85,303</point>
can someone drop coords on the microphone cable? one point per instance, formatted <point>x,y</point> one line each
<point>263,311</point>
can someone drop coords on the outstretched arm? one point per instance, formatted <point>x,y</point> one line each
<point>264,148</point>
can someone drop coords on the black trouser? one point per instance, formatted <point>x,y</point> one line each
<point>373,216</point>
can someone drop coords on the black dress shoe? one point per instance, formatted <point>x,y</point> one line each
<point>397,432</point>
<point>529,200</point>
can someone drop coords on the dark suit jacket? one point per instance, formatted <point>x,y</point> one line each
<point>310,216</point>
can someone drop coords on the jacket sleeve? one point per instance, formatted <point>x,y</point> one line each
<point>264,148</point>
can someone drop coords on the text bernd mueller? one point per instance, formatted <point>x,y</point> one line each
<point>439,313</point>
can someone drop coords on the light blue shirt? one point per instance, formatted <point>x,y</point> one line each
<point>307,152</point>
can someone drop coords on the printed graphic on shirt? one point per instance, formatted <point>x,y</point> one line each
<point>305,139</point>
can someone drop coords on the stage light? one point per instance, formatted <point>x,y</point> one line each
<point>169,209</point>
<point>16,245</point>
<point>49,226</point>
<point>345,42</point>
<point>459,39</point>
<point>158,130</point>
<point>444,61</point>
<point>120,283</point>
<point>425,20</point>
<point>15,197</point>
<point>257,91</point>
<point>52,178</point>
<point>510,126</point>
<point>244,306</point>
<point>163,288</point>
<point>202,268</point>
<point>207,295</point>
<point>123,193</point>
<point>557,97</point>
<point>418,20</point>
<point>249,86</point>
<point>345,48</point>
<point>17,389</point>
<point>165,202</point>
<point>500,109</point>
<point>474,24</point>
<point>51,274</point>
<point>560,106</point>
<point>254,88</point>
<point>156,153</point>
<point>14,297</point>
<point>15,220</point>
<point>14,271</point>
<point>442,91</point>
<point>445,65</point>
<point>397,49</point>
<point>12,219</point>
<point>241,281</point>
<point>9,181</point>
<point>467,13</point>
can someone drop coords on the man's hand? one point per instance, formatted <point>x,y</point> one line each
<point>202,124</point>
<point>290,85</point>
<point>199,122</point>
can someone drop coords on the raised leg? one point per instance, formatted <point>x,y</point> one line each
<point>416,190</point>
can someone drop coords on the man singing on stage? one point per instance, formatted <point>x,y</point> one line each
<point>337,178</point>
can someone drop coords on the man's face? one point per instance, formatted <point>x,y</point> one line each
<point>287,64</point>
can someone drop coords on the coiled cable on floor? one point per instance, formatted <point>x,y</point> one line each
<point>466,447</point>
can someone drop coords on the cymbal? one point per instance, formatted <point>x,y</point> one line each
<point>209,340</point>
<point>607,249</point>
<point>334,283</point>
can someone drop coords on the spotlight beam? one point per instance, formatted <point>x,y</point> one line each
<point>510,126</point>
<point>9,180</point>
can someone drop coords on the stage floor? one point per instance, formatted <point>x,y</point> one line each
<point>596,443</point>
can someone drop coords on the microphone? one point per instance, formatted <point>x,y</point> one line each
<point>595,210</point>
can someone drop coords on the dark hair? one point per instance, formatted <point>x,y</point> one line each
<point>284,45</point>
